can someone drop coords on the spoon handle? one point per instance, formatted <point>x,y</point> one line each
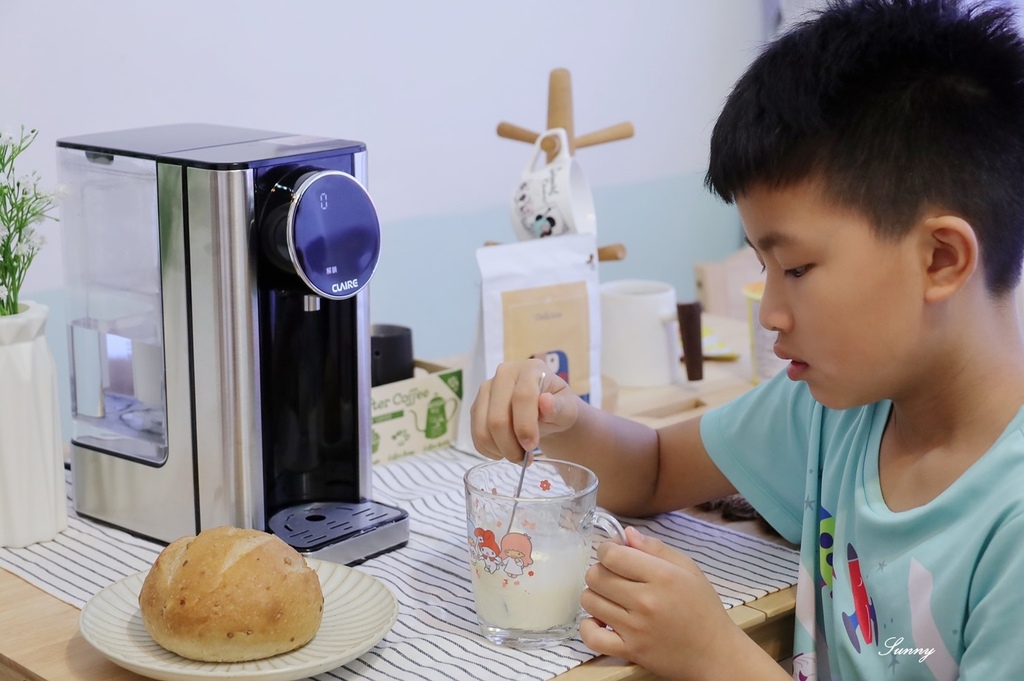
<point>525,465</point>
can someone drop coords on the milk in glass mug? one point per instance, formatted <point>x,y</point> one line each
<point>528,554</point>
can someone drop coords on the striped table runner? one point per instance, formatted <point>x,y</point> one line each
<point>436,635</point>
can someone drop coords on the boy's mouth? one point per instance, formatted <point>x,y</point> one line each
<point>796,369</point>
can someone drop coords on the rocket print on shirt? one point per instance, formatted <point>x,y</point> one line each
<point>826,540</point>
<point>862,623</point>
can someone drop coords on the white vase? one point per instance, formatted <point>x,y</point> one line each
<point>33,505</point>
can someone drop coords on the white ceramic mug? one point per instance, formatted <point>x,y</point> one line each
<point>640,342</point>
<point>763,359</point>
<point>554,199</point>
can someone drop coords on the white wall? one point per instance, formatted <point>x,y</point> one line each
<point>424,84</point>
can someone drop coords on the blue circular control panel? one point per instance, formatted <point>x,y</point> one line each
<point>333,233</point>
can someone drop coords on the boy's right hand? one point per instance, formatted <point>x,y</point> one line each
<point>515,409</point>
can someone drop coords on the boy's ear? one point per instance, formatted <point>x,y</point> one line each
<point>950,255</point>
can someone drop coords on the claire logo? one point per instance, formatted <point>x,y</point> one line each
<point>346,285</point>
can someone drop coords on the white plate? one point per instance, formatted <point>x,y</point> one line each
<point>358,611</point>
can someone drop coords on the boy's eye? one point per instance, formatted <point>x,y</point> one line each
<point>798,272</point>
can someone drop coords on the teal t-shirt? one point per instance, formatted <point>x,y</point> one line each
<point>932,592</point>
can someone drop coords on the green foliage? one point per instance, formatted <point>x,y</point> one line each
<point>22,206</point>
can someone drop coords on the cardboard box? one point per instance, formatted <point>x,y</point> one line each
<point>416,415</point>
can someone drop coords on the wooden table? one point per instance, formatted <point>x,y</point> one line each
<point>39,638</point>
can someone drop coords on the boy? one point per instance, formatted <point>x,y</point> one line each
<point>876,157</point>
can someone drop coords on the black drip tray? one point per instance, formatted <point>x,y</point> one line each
<point>311,527</point>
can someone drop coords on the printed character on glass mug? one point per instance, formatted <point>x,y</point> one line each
<point>516,549</point>
<point>488,549</point>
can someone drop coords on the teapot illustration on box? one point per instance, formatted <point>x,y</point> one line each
<point>438,416</point>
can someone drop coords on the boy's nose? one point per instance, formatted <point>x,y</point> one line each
<point>772,313</point>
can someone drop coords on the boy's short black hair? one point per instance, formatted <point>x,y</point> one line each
<point>895,106</point>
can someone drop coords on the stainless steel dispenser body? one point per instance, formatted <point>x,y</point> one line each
<point>202,299</point>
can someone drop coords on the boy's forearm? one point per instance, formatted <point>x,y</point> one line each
<point>736,656</point>
<point>749,661</point>
<point>624,455</point>
<point>642,471</point>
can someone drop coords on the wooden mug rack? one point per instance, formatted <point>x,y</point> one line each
<point>560,115</point>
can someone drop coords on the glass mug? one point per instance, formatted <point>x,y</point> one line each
<point>528,554</point>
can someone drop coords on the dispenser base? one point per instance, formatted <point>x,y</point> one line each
<point>341,532</point>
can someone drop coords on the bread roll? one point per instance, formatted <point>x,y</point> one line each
<point>231,595</point>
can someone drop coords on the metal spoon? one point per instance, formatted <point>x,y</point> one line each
<point>525,465</point>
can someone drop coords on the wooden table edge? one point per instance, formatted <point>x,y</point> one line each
<point>56,651</point>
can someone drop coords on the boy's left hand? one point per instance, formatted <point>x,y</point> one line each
<point>652,605</point>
